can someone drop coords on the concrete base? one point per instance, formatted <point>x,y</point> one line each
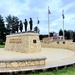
<point>24,42</point>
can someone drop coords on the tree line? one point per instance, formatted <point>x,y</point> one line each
<point>6,29</point>
<point>68,34</point>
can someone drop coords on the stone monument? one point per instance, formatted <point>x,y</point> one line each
<point>24,42</point>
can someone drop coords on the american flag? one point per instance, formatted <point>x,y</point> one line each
<point>49,11</point>
<point>63,14</point>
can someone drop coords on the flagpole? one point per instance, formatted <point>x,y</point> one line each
<point>63,23</point>
<point>48,23</point>
<point>37,25</point>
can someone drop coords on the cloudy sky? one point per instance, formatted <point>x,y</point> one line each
<point>39,8</point>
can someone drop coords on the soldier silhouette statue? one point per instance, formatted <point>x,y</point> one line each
<point>25,24</point>
<point>17,24</point>
<point>13,27</point>
<point>21,26</point>
<point>31,24</point>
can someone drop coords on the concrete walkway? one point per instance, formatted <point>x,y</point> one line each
<point>55,57</point>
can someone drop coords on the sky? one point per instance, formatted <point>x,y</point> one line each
<point>24,9</point>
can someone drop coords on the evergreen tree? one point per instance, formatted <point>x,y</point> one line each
<point>60,32</point>
<point>67,34</point>
<point>11,23</point>
<point>74,37</point>
<point>36,29</point>
<point>2,30</point>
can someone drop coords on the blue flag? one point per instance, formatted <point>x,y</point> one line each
<point>38,22</point>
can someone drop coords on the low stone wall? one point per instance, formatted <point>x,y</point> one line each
<point>55,44</point>
<point>22,62</point>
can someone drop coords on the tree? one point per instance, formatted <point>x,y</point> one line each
<point>11,23</point>
<point>53,34</point>
<point>60,32</point>
<point>71,34</point>
<point>74,37</point>
<point>36,29</point>
<point>68,34</point>
<point>2,30</point>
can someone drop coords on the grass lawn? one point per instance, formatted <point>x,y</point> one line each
<point>2,46</point>
<point>67,71</point>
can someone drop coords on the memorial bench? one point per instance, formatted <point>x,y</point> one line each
<point>22,61</point>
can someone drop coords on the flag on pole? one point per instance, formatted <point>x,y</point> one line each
<point>38,21</point>
<point>49,22</point>
<point>63,14</point>
<point>63,22</point>
<point>49,11</point>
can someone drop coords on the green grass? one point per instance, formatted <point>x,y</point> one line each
<point>67,71</point>
<point>2,46</point>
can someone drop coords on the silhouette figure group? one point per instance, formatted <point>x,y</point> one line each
<point>19,25</point>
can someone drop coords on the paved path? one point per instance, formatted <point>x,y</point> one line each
<point>55,58</point>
